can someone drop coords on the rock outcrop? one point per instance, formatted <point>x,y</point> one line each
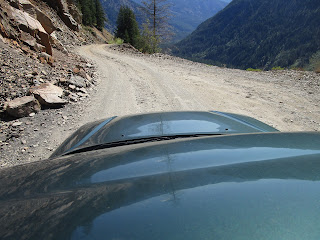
<point>30,25</point>
<point>24,22</point>
<point>67,12</point>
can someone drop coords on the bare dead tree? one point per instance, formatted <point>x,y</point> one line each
<point>158,13</point>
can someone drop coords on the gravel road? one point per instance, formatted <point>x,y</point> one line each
<point>130,82</point>
<point>135,83</point>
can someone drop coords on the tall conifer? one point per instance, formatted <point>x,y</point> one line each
<point>127,26</point>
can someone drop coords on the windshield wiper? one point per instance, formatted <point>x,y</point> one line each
<point>134,141</point>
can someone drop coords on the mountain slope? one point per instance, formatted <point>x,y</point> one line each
<point>186,14</point>
<point>258,34</point>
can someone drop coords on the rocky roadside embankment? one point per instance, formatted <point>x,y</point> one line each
<point>41,78</point>
<point>26,124</point>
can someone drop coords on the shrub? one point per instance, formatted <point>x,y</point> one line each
<point>116,41</point>
<point>148,43</point>
<point>297,68</point>
<point>254,70</point>
<point>90,30</point>
<point>277,68</point>
<point>317,68</point>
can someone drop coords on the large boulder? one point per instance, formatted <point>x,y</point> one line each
<point>6,29</point>
<point>35,12</point>
<point>29,40</point>
<point>22,107</point>
<point>74,11</point>
<point>56,43</point>
<point>31,25</point>
<point>45,21</point>
<point>63,7</point>
<point>69,21</point>
<point>48,95</point>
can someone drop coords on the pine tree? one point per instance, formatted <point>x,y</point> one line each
<point>87,9</point>
<point>100,15</point>
<point>127,26</point>
<point>92,13</point>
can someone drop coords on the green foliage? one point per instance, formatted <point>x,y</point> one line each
<point>127,26</point>
<point>127,29</point>
<point>90,30</point>
<point>277,68</point>
<point>100,15</point>
<point>254,70</point>
<point>297,68</point>
<point>314,64</point>
<point>148,43</point>
<point>116,41</point>
<point>92,13</point>
<point>189,14</point>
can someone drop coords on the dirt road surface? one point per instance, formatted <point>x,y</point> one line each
<point>129,83</point>
<point>134,83</point>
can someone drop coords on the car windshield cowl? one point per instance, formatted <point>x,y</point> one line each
<point>136,141</point>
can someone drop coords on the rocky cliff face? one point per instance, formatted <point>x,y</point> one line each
<point>39,70</point>
<point>34,24</point>
<point>38,36</point>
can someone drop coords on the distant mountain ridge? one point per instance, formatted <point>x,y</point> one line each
<point>186,14</point>
<point>257,34</point>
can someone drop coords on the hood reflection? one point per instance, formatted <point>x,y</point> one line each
<point>51,199</point>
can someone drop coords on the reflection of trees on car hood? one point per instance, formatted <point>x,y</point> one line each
<point>68,192</point>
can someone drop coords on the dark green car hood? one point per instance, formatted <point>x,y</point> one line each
<point>131,127</point>
<point>246,186</point>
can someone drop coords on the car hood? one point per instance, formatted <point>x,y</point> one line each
<point>245,186</point>
<point>121,129</point>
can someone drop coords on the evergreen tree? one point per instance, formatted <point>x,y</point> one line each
<point>92,13</point>
<point>127,26</point>
<point>87,8</point>
<point>100,15</point>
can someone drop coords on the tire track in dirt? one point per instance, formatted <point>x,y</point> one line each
<point>135,83</point>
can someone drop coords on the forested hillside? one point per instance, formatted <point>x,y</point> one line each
<point>258,34</point>
<point>92,13</point>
